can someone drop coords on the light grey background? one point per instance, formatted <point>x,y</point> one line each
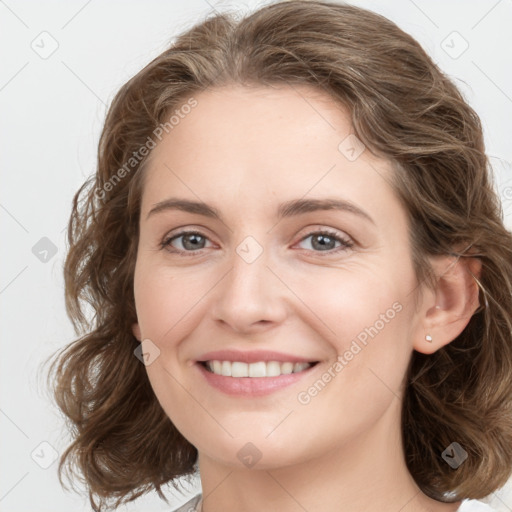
<point>52,109</point>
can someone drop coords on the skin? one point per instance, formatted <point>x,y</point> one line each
<point>244,151</point>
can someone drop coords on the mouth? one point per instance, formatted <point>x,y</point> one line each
<point>258,369</point>
<point>262,373</point>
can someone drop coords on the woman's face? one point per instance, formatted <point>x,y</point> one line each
<point>259,283</point>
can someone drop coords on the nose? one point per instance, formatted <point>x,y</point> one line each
<point>250,297</point>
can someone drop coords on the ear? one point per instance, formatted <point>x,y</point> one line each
<point>136,331</point>
<point>446,311</point>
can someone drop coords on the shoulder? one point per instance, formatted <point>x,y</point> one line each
<point>474,506</point>
<point>190,506</point>
<point>466,506</point>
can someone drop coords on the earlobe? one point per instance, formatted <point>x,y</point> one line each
<point>452,304</point>
<point>136,331</point>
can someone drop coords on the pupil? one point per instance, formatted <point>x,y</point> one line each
<point>322,240</point>
<point>190,238</point>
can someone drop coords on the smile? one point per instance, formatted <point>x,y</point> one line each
<point>253,379</point>
<point>258,369</point>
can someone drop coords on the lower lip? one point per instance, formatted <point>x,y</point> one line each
<point>252,386</point>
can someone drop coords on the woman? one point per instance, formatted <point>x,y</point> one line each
<point>300,276</point>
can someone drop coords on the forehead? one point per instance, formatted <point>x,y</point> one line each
<point>253,144</point>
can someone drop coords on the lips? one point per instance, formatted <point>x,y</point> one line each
<point>251,387</point>
<point>253,356</point>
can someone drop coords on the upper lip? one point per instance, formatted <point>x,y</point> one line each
<point>252,356</point>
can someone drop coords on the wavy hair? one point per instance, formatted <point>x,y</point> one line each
<point>405,110</point>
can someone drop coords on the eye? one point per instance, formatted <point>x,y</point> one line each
<point>325,241</point>
<point>321,241</point>
<point>193,240</point>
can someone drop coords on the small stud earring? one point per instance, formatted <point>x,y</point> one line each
<point>428,338</point>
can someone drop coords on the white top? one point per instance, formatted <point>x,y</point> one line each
<point>466,506</point>
<point>190,506</point>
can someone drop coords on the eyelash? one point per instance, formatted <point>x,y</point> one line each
<point>345,243</point>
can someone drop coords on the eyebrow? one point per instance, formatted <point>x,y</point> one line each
<point>286,209</point>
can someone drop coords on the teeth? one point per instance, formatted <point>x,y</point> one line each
<point>259,369</point>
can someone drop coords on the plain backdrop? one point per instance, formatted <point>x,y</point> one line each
<point>61,64</point>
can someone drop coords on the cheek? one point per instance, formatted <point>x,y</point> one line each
<point>365,318</point>
<point>365,376</point>
<point>352,303</point>
<point>164,299</point>
<point>165,309</point>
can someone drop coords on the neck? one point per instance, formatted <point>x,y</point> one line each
<point>366,474</point>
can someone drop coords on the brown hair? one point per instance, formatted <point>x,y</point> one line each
<point>404,109</point>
